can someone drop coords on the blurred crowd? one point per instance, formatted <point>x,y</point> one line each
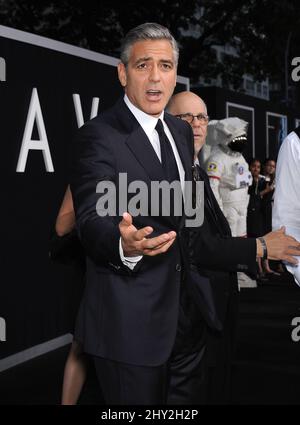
<point>259,213</point>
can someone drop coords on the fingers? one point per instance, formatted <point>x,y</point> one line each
<point>137,242</point>
<point>289,255</point>
<point>291,260</point>
<point>125,224</point>
<point>141,234</point>
<point>126,220</point>
<point>159,250</point>
<point>292,242</point>
<point>137,235</point>
<point>156,242</point>
<point>292,251</point>
<point>151,247</point>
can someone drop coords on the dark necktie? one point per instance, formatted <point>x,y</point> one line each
<point>168,160</point>
<point>171,173</point>
<point>170,169</point>
<point>207,191</point>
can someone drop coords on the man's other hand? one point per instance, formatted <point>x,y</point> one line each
<point>282,247</point>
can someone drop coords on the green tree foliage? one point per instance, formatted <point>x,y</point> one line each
<point>265,33</point>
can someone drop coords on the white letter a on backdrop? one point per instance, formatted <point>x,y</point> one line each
<point>34,113</point>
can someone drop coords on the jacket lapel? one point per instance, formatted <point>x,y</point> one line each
<point>182,146</point>
<point>184,153</point>
<point>142,149</point>
<point>138,142</point>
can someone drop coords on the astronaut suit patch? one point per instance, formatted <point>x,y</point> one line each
<point>241,170</point>
<point>243,179</point>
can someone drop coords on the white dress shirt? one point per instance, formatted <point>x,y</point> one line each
<point>286,209</point>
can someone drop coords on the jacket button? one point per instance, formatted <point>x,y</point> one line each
<point>178,267</point>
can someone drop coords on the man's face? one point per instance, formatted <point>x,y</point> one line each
<point>150,76</point>
<point>192,104</point>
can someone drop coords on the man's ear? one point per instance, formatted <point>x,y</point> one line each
<point>122,74</point>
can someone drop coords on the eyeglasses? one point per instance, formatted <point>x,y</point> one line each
<point>203,118</point>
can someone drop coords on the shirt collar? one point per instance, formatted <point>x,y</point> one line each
<point>146,121</point>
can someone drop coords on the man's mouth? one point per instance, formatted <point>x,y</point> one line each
<point>154,94</point>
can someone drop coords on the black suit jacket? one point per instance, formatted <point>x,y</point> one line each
<point>216,254</point>
<point>127,316</point>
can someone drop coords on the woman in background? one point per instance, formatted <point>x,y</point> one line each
<point>66,248</point>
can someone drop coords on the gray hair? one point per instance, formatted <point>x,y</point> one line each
<point>147,31</point>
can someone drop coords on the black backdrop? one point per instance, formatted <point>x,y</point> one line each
<point>39,299</point>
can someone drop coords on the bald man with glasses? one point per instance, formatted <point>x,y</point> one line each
<point>191,108</point>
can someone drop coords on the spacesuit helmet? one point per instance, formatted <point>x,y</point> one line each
<point>231,132</point>
<point>238,143</point>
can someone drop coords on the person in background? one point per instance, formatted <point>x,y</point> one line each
<point>221,344</point>
<point>267,195</point>
<point>268,192</point>
<point>229,177</point>
<point>286,210</point>
<point>215,254</point>
<point>255,218</point>
<point>184,105</point>
<point>66,248</point>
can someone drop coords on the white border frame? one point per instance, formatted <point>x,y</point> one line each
<point>59,46</point>
<point>272,114</point>
<point>247,108</point>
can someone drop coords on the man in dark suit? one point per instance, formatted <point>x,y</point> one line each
<point>138,319</point>
<point>218,256</point>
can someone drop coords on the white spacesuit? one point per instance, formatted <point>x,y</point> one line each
<point>228,171</point>
<point>229,176</point>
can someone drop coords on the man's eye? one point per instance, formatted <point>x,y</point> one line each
<point>141,66</point>
<point>166,66</point>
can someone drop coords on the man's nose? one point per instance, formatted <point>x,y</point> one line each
<point>196,122</point>
<point>154,74</point>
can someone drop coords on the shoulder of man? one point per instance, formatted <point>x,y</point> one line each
<point>111,118</point>
<point>291,143</point>
<point>297,131</point>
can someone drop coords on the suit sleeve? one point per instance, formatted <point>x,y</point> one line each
<point>211,251</point>
<point>92,162</point>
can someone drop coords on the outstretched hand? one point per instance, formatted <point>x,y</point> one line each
<point>137,242</point>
